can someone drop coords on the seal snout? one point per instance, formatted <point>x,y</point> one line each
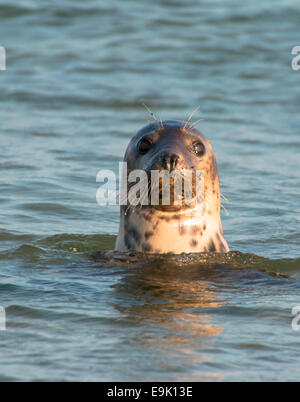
<point>168,161</point>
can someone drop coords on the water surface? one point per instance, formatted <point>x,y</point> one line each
<point>77,73</point>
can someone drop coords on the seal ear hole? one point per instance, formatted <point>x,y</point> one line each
<point>198,148</point>
<point>144,145</point>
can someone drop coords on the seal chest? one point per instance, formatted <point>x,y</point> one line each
<point>178,228</point>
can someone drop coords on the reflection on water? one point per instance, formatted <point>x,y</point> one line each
<point>169,297</point>
<point>134,316</point>
<point>176,303</point>
<point>173,302</point>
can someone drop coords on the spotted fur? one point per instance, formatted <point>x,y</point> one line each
<point>153,230</point>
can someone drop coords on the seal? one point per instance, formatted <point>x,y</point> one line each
<point>185,228</point>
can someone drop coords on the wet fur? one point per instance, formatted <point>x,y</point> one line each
<point>149,230</point>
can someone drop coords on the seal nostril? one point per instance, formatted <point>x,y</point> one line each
<point>173,161</point>
<point>168,161</point>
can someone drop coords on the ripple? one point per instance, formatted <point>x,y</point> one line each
<point>16,166</point>
<point>47,208</point>
<point>13,11</point>
<point>233,259</point>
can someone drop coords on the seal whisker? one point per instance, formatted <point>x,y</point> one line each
<point>150,122</point>
<point>224,198</point>
<point>210,197</point>
<point>209,193</point>
<point>226,211</point>
<point>196,122</point>
<point>190,116</point>
<point>150,188</point>
<point>143,196</point>
<point>150,112</point>
<point>126,210</point>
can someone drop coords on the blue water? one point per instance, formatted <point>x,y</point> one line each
<point>77,73</point>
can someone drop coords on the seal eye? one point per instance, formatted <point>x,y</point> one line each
<point>198,148</point>
<point>144,145</point>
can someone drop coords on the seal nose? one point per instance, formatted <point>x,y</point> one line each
<point>168,161</point>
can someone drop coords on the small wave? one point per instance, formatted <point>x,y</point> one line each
<point>16,166</point>
<point>13,11</point>
<point>26,250</point>
<point>78,242</point>
<point>233,259</point>
<point>46,207</point>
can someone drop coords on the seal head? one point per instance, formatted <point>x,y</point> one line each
<point>185,227</point>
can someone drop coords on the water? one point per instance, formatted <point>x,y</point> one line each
<point>71,96</point>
